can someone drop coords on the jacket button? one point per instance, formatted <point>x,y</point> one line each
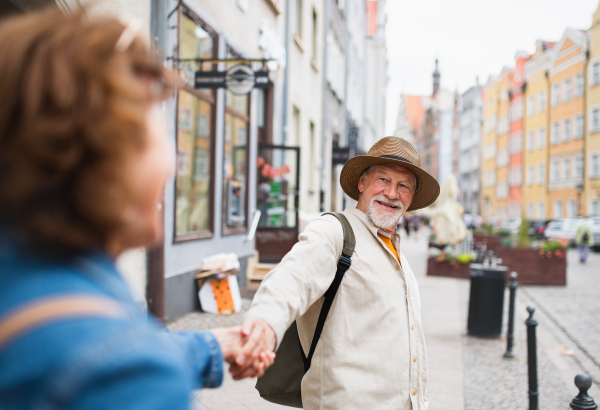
<point>415,359</point>
<point>397,267</point>
<point>414,392</point>
<point>412,327</point>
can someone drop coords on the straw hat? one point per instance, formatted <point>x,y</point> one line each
<point>391,151</point>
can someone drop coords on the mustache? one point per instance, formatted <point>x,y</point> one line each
<point>382,198</point>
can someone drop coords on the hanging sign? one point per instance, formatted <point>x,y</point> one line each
<point>239,79</point>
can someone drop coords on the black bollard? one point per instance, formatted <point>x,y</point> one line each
<point>510,338</point>
<point>582,401</point>
<point>532,359</point>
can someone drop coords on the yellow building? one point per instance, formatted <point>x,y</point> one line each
<point>535,199</point>
<point>590,197</point>
<point>489,147</point>
<point>494,161</point>
<point>566,128</point>
<point>503,154</point>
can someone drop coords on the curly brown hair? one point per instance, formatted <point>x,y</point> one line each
<point>73,111</point>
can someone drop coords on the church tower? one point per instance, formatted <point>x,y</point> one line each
<point>436,79</point>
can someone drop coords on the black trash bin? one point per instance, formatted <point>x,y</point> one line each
<point>486,300</point>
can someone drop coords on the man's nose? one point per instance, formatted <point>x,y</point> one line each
<point>392,192</point>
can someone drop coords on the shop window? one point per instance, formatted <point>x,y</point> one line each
<point>235,160</point>
<point>195,137</point>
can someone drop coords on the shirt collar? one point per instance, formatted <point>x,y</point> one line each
<point>367,222</point>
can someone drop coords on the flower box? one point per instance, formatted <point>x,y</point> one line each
<point>533,267</point>
<point>448,269</point>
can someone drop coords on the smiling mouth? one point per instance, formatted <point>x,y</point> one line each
<point>387,205</point>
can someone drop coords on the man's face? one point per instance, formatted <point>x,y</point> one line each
<point>386,191</point>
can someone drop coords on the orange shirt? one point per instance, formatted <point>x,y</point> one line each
<point>388,242</point>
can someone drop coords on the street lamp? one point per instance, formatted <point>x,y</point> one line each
<point>579,189</point>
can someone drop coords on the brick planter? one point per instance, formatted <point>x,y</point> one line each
<point>491,241</point>
<point>532,268</point>
<point>443,268</point>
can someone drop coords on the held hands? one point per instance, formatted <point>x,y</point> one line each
<point>243,349</point>
<point>257,351</point>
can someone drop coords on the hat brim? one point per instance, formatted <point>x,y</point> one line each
<point>428,188</point>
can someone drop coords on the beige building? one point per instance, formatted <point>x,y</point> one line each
<point>591,194</point>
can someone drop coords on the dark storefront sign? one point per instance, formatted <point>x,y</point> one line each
<point>239,79</point>
<point>340,155</point>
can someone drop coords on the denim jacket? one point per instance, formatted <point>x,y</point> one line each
<point>95,362</point>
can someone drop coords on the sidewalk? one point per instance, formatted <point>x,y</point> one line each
<point>465,373</point>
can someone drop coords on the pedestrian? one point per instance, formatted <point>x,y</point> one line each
<point>83,162</point>
<point>371,353</point>
<point>407,226</point>
<point>416,221</point>
<point>584,239</point>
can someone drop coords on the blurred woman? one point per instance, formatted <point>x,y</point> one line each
<point>82,170</point>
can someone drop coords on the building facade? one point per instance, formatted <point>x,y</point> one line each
<point>567,124</point>
<point>470,122</point>
<point>590,198</point>
<point>535,200</point>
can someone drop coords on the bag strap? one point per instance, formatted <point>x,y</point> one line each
<point>342,266</point>
<point>55,308</point>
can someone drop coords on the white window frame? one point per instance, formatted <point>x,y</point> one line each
<point>543,101</point>
<point>579,85</point>
<point>567,129</point>
<point>595,119</point>
<point>531,106</point>
<point>555,134</point>
<point>541,210</point>
<point>530,175</point>
<point>566,168</point>
<point>557,209</point>
<point>567,90</point>
<point>542,138</point>
<point>531,140</point>
<point>594,165</point>
<point>579,127</point>
<point>595,75</point>
<point>541,174</point>
<point>594,207</point>
<point>555,95</point>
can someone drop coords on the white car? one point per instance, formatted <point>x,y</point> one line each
<point>562,229</point>
<point>595,220</point>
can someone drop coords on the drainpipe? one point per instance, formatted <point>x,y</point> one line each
<point>155,256</point>
<point>288,66</point>
<point>326,163</point>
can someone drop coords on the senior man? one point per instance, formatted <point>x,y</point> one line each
<point>371,353</point>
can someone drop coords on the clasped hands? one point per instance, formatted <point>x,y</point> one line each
<point>248,348</point>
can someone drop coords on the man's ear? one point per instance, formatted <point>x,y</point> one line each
<point>361,183</point>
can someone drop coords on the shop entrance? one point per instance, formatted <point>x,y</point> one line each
<point>277,200</point>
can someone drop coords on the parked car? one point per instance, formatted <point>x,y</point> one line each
<point>595,220</point>
<point>536,229</point>
<point>511,225</point>
<point>563,228</point>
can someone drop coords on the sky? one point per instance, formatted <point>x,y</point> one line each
<point>471,38</point>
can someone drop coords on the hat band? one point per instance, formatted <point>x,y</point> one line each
<point>395,157</point>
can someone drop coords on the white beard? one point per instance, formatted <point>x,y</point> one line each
<point>384,220</point>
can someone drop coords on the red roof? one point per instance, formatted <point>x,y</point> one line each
<point>414,111</point>
<point>372,18</point>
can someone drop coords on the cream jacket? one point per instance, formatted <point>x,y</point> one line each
<point>371,354</point>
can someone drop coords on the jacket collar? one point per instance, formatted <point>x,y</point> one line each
<point>372,228</point>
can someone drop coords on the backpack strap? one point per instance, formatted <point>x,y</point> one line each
<point>342,266</point>
<point>52,309</point>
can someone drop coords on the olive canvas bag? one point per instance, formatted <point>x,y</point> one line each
<point>281,383</point>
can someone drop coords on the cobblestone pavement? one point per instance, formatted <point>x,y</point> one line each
<point>574,310</point>
<point>468,373</point>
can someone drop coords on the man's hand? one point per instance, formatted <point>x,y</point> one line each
<point>231,342</point>
<point>257,352</point>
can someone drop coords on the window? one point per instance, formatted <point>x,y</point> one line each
<point>554,138</point>
<point>542,138</point>
<point>579,167</point>
<point>579,85</point>
<point>579,123</point>
<point>567,130</point>
<point>315,35</point>
<point>195,138</point>
<point>502,190</point>
<point>571,208</point>
<point>298,20</point>
<point>502,159</point>
<point>515,176</point>
<point>530,141</point>
<point>595,120</point>
<point>541,174</point>
<point>529,175</point>
<point>516,142</point>
<point>567,90</point>
<point>596,73</point>
<point>542,101</point>
<point>235,160</point>
<point>594,208</point>
<point>516,109</point>
<point>566,168</point>
<point>555,94</point>
<point>558,209</point>
<point>541,210</point>
<point>529,211</point>
<point>531,106</point>
<point>594,165</point>
<point>554,170</point>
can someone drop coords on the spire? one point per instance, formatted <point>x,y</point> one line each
<point>436,78</point>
